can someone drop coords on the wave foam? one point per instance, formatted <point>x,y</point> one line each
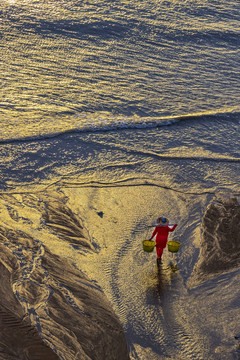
<point>104,123</point>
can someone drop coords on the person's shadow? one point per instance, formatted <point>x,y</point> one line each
<point>164,282</point>
<point>167,276</point>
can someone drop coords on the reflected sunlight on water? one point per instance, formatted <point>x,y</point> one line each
<point>74,66</point>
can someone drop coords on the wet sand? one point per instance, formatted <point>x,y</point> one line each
<point>49,309</point>
<point>220,245</point>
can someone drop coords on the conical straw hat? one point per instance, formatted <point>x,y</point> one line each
<point>163,221</point>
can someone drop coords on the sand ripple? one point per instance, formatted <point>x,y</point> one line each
<point>49,309</point>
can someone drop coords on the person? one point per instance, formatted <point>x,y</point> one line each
<point>161,231</point>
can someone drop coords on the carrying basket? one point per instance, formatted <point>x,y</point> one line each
<point>173,246</point>
<point>148,245</point>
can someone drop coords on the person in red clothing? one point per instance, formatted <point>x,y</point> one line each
<point>161,231</point>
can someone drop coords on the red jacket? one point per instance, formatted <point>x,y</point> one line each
<point>162,234</point>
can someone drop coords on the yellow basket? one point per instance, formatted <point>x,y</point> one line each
<point>148,245</point>
<point>173,246</point>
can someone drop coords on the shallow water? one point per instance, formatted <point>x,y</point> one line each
<point>93,65</point>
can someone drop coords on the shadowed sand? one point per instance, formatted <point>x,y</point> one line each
<point>220,246</point>
<point>19,339</point>
<point>49,309</point>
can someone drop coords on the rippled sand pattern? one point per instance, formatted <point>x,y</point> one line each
<point>49,308</point>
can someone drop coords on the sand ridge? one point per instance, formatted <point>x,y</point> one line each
<point>49,308</point>
<point>220,246</point>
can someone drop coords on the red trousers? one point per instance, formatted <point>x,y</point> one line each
<point>159,249</point>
